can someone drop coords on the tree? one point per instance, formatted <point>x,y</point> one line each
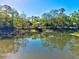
<point>62,10</point>
<point>23,17</point>
<point>47,16</point>
<point>54,12</point>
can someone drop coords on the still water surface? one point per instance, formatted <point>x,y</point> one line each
<point>40,46</point>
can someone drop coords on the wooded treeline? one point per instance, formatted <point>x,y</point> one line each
<point>57,18</point>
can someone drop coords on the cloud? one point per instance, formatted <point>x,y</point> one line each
<point>17,4</point>
<point>11,2</point>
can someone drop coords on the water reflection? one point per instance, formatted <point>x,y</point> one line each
<point>10,46</point>
<point>54,45</point>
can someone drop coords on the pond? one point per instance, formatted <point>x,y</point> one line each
<point>55,45</point>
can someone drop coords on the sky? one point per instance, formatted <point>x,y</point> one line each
<point>38,7</point>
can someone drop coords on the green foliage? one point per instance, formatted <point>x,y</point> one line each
<point>52,18</point>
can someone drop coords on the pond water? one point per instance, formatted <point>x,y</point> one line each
<point>54,45</point>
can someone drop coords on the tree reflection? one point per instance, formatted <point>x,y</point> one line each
<point>56,40</point>
<point>74,45</point>
<point>10,46</point>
